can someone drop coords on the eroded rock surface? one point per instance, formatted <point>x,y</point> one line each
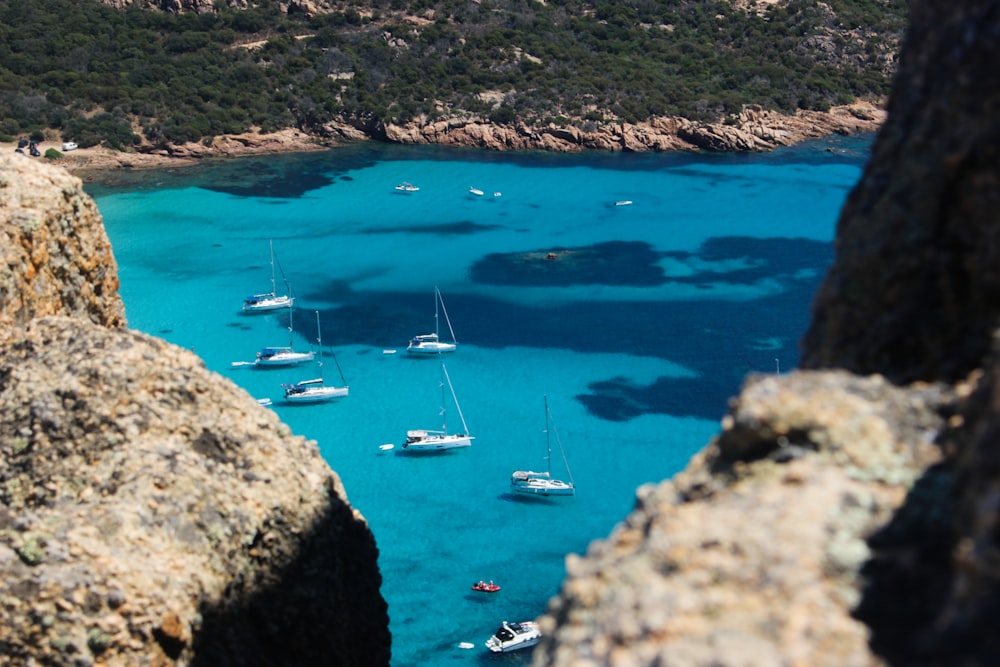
<point>152,512</point>
<point>55,257</point>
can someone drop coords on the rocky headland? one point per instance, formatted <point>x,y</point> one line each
<point>753,130</point>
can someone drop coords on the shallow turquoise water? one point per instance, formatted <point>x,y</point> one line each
<point>646,321</point>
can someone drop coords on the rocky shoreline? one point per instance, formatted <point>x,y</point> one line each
<point>754,129</point>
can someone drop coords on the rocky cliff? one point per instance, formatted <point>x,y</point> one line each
<point>754,129</point>
<point>845,517</point>
<point>151,512</point>
<point>55,257</point>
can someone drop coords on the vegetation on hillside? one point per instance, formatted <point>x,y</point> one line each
<point>101,75</point>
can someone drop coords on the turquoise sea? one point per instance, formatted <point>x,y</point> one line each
<point>638,327</point>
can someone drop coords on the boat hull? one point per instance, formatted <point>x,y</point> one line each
<point>285,359</point>
<point>430,348</point>
<point>514,637</point>
<point>550,489</point>
<point>423,441</point>
<point>316,394</point>
<point>268,304</point>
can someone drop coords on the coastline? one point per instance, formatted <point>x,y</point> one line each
<point>753,130</point>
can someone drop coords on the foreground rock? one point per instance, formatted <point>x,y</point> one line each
<point>55,257</point>
<point>752,555</point>
<point>151,512</point>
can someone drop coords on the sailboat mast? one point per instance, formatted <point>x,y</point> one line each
<point>444,404</point>
<point>319,343</point>
<point>274,285</point>
<point>548,442</point>
<point>440,299</point>
<point>458,408</point>
<point>437,322</point>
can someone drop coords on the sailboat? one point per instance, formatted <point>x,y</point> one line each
<point>531,483</point>
<point>283,355</point>
<point>425,440</point>
<point>431,343</point>
<point>267,301</point>
<point>315,391</point>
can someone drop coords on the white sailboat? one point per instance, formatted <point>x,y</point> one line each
<point>532,483</point>
<point>279,355</point>
<point>315,391</point>
<point>267,301</point>
<point>426,440</point>
<point>431,343</point>
<point>283,355</point>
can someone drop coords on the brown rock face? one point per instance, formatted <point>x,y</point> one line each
<point>752,555</point>
<point>56,258</point>
<point>152,512</point>
<point>915,289</point>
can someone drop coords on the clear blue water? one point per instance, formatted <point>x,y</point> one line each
<point>645,323</point>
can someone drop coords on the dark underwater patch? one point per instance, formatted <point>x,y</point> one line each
<point>460,228</point>
<point>619,399</point>
<point>763,258</point>
<point>635,263</point>
<point>609,263</point>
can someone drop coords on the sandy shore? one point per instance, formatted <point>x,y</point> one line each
<point>87,161</point>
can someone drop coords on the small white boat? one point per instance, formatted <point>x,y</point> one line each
<point>267,301</point>
<point>407,187</point>
<point>532,483</point>
<point>431,343</point>
<point>425,440</point>
<point>514,637</point>
<point>476,191</point>
<point>623,202</point>
<point>314,391</point>
<point>498,194</point>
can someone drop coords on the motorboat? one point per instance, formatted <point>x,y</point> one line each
<point>534,483</point>
<point>407,187</point>
<point>514,637</point>
<point>476,191</point>
<point>485,586</point>
<point>431,343</point>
